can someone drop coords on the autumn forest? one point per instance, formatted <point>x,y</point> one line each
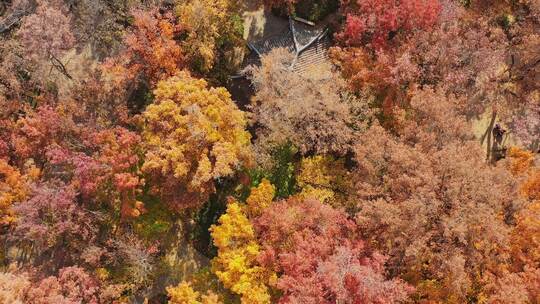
<point>269,151</point>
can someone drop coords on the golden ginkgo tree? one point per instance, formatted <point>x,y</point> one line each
<point>193,135</point>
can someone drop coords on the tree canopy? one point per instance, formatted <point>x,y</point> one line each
<point>193,152</point>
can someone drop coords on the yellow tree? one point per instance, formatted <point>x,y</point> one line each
<point>326,179</point>
<point>530,189</point>
<point>236,265</point>
<point>12,189</point>
<point>526,234</point>
<point>193,135</point>
<point>260,198</point>
<point>520,283</point>
<point>184,294</point>
<point>520,160</point>
<point>208,25</point>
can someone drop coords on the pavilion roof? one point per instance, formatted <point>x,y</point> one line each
<point>309,45</point>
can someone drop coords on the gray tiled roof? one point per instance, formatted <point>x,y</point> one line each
<point>308,44</point>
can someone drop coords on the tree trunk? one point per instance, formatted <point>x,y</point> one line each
<point>488,134</point>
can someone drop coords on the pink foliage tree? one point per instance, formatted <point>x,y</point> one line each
<point>101,163</point>
<point>521,287</point>
<point>47,34</point>
<point>427,197</point>
<point>52,224</point>
<point>463,56</point>
<point>375,22</point>
<point>306,242</point>
<point>106,168</point>
<point>526,125</point>
<point>353,278</point>
<point>38,131</point>
<point>72,286</point>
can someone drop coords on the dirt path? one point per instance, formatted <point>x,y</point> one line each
<point>482,130</point>
<point>260,23</point>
